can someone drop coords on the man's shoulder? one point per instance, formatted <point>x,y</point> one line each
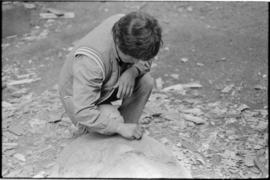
<point>112,19</point>
<point>116,16</point>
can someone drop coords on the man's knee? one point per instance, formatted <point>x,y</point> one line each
<point>109,110</point>
<point>146,83</point>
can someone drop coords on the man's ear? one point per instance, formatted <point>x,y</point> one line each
<point>116,41</point>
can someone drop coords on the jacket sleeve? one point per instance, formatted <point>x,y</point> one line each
<point>143,67</point>
<point>87,82</point>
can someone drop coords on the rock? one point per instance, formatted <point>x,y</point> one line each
<point>184,60</point>
<point>259,87</point>
<point>249,160</point>
<point>164,141</point>
<point>23,81</point>
<point>178,87</point>
<point>242,107</point>
<point>175,76</point>
<point>101,156</point>
<point>189,8</point>
<point>262,125</point>
<point>193,85</point>
<point>10,136</point>
<point>6,105</point>
<point>41,174</point>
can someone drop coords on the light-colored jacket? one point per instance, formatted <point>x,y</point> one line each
<point>88,76</point>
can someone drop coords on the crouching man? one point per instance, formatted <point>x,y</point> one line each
<point>111,62</point>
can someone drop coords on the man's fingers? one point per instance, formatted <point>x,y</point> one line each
<point>123,93</point>
<point>137,135</point>
<point>130,91</point>
<point>140,128</point>
<point>116,85</point>
<point>120,88</point>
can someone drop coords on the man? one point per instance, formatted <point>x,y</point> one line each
<point>111,62</point>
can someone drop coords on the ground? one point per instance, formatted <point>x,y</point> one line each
<point>219,46</point>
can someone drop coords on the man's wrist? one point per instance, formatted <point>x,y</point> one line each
<point>134,71</point>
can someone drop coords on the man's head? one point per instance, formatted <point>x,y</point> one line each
<point>137,35</point>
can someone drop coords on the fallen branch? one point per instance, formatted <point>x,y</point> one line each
<point>196,120</point>
<point>23,81</point>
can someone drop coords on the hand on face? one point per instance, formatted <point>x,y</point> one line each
<point>125,84</point>
<point>127,79</point>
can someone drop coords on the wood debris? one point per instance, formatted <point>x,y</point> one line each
<point>195,119</point>
<point>227,89</point>
<point>23,81</point>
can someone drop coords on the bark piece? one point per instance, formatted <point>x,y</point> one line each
<point>195,119</point>
<point>228,88</point>
<point>23,81</point>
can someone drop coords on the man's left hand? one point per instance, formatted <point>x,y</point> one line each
<point>126,83</point>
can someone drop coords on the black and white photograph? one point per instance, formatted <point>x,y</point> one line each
<point>135,89</point>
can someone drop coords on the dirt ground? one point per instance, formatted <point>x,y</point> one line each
<point>224,42</point>
<point>223,46</point>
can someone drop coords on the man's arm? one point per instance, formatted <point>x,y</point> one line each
<point>126,82</point>
<point>87,84</point>
<point>143,67</point>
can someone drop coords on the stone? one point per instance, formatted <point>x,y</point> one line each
<point>98,156</point>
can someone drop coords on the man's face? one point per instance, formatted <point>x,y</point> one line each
<point>126,58</point>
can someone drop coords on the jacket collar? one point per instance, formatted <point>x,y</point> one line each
<point>116,55</point>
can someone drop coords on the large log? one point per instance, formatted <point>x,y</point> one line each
<point>97,156</point>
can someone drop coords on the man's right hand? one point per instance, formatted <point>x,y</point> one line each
<point>130,131</point>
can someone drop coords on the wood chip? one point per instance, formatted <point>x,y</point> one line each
<point>178,87</point>
<point>262,125</point>
<point>10,136</point>
<point>9,146</point>
<point>175,76</point>
<point>10,152</point>
<point>172,116</point>
<point>242,107</point>
<point>20,157</point>
<point>16,129</point>
<point>195,119</point>
<point>261,167</point>
<point>6,104</point>
<point>29,5</point>
<point>40,174</point>
<point>23,81</point>
<point>195,111</point>
<point>228,88</point>
<point>200,64</point>
<point>249,160</point>
<point>164,140</point>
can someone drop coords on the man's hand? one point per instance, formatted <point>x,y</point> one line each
<point>130,131</point>
<point>126,83</point>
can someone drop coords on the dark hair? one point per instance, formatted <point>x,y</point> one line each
<point>138,35</point>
